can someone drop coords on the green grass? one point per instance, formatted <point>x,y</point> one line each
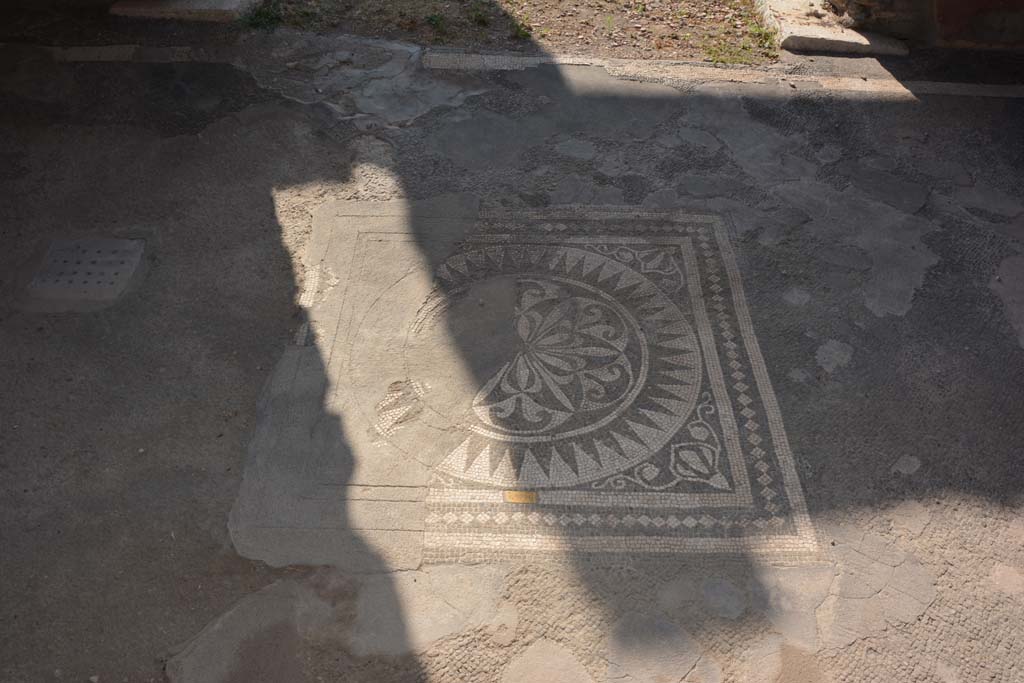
<point>765,38</point>
<point>475,21</point>
<point>437,22</point>
<point>479,13</point>
<point>265,16</point>
<point>759,42</point>
<point>520,29</point>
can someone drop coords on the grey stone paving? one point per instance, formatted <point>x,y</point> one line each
<point>369,333</point>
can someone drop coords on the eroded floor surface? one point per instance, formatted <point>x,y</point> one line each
<point>507,375</point>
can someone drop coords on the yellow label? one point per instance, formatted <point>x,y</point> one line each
<point>520,496</point>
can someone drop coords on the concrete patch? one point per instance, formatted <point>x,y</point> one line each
<point>574,189</point>
<point>298,441</point>
<point>676,593</point>
<point>941,168</point>
<point>318,489</point>
<point>798,666</point>
<point>258,639</point>
<point>833,355</point>
<point>1007,579</point>
<point>642,648</point>
<point>906,465</point>
<point>799,375</point>
<point>771,226</point>
<point>502,628</point>
<point>723,598</point>
<point>407,96</point>
<point>706,670</point>
<point>829,153</point>
<point>710,186</point>
<point>409,611</point>
<point>890,238</point>
<point>910,517</point>
<point>760,150</point>
<point>796,296</point>
<point>576,148</point>
<point>876,584</point>
<point>877,163</point>
<point>885,187</point>
<point>698,138</point>
<point>987,198</point>
<point>372,82</point>
<point>545,660</point>
<point>850,257</point>
<point>487,139</point>
<point>762,662</point>
<point>946,673</point>
<point>789,596</point>
<point>579,100</point>
<point>1008,283</point>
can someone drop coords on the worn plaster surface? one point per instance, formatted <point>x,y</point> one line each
<point>405,341</point>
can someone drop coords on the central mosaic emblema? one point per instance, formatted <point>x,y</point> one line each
<point>589,368</point>
<point>586,380</point>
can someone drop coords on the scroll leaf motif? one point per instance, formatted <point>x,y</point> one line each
<point>571,359</point>
<point>698,460</point>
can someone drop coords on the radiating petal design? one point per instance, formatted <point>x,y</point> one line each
<point>598,368</point>
<point>687,461</point>
<point>571,359</point>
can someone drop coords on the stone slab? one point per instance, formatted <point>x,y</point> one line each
<point>259,638</point>
<point>186,10</point>
<point>804,27</point>
<point>800,37</point>
<point>789,596</point>
<point>355,552</point>
<point>649,648</point>
<point>83,274</point>
<point>409,611</point>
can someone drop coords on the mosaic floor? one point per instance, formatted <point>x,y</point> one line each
<point>582,380</point>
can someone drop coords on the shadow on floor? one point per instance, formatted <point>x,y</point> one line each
<point>135,417</point>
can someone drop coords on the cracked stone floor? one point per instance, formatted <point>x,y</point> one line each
<point>549,373</point>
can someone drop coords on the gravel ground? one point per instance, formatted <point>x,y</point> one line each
<point>713,30</point>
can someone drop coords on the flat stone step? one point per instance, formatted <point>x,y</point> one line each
<point>804,27</point>
<point>799,37</point>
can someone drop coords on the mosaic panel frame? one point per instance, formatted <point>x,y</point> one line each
<point>764,512</point>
